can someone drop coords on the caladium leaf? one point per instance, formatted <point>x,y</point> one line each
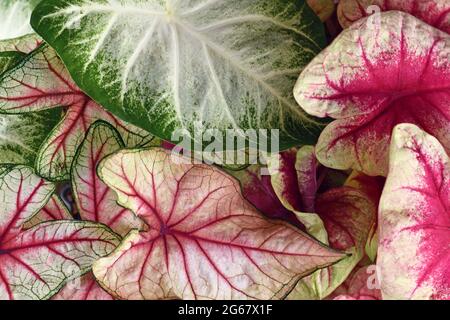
<point>42,82</point>
<point>323,8</point>
<point>433,12</point>
<point>84,288</point>
<point>53,210</point>
<point>22,135</point>
<point>369,80</point>
<point>15,18</point>
<point>294,180</point>
<point>24,44</point>
<point>258,190</point>
<point>34,264</point>
<point>372,187</point>
<point>361,285</point>
<point>95,200</point>
<point>189,65</point>
<point>8,59</point>
<point>347,215</point>
<point>413,254</point>
<point>205,241</point>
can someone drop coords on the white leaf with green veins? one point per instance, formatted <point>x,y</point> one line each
<point>166,65</point>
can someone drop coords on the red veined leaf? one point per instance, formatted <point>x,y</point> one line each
<point>323,8</point>
<point>53,210</point>
<point>36,263</point>
<point>413,254</point>
<point>347,216</point>
<point>295,179</point>
<point>84,288</point>
<point>205,241</point>
<point>372,78</point>
<point>433,12</point>
<point>23,194</point>
<point>372,187</point>
<point>24,44</point>
<point>41,82</point>
<point>361,285</point>
<point>95,200</point>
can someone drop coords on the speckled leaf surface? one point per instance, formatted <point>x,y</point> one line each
<point>433,12</point>
<point>42,82</point>
<point>194,65</point>
<point>413,254</point>
<point>373,77</point>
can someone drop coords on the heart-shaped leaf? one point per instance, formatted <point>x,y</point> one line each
<point>95,200</point>
<point>413,254</point>
<point>36,263</point>
<point>433,12</point>
<point>205,241</point>
<point>371,78</point>
<point>42,82</point>
<point>169,66</point>
<point>347,216</point>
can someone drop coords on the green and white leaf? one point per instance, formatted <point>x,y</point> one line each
<point>168,65</point>
<point>22,135</point>
<point>8,59</point>
<point>15,18</point>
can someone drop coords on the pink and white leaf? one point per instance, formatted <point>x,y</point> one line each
<point>413,254</point>
<point>433,12</point>
<point>347,215</point>
<point>205,241</point>
<point>371,78</point>
<point>83,288</point>
<point>55,209</point>
<point>95,200</point>
<point>42,82</point>
<point>36,263</point>
<point>361,285</point>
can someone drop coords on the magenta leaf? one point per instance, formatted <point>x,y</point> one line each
<point>42,82</point>
<point>414,225</point>
<point>258,190</point>
<point>95,200</point>
<point>36,263</point>
<point>371,78</point>
<point>433,12</point>
<point>204,240</point>
<point>295,180</point>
